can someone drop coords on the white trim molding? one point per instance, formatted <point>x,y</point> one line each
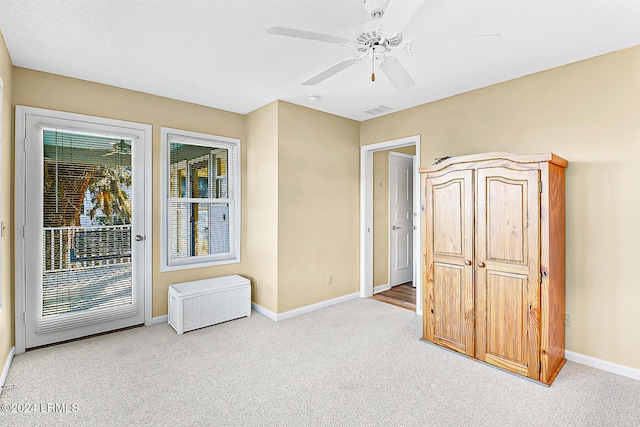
<point>169,260</point>
<point>158,320</point>
<point>1,186</point>
<point>5,370</point>
<point>366,216</point>
<point>603,365</point>
<point>303,310</point>
<point>264,311</point>
<point>381,288</point>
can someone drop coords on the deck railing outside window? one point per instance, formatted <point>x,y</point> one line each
<point>74,247</point>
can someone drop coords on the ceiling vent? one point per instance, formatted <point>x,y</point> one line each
<point>379,110</point>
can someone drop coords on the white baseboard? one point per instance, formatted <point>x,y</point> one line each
<point>313,307</point>
<point>603,365</point>
<point>303,310</point>
<point>265,312</point>
<point>381,288</point>
<point>5,370</point>
<point>160,319</point>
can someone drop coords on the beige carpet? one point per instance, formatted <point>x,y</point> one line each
<point>357,363</point>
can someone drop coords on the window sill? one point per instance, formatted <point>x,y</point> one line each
<point>192,265</point>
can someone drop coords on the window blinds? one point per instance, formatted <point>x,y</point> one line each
<point>200,198</point>
<point>87,209</point>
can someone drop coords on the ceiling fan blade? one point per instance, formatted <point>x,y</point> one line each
<point>398,14</point>
<point>396,73</point>
<point>292,32</point>
<point>331,71</point>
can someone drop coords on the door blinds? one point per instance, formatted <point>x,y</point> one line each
<point>86,242</point>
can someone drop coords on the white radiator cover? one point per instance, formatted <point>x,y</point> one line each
<point>194,305</point>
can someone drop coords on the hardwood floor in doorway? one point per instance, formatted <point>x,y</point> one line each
<point>402,296</point>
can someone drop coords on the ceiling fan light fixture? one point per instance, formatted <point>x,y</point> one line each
<point>376,8</point>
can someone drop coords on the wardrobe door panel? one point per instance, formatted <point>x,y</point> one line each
<point>448,297</point>
<point>506,321</point>
<point>507,269</point>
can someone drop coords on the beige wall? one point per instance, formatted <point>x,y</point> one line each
<point>319,150</point>
<point>36,89</point>
<point>318,218</point>
<point>381,213</point>
<point>588,113</point>
<point>6,242</point>
<point>262,204</point>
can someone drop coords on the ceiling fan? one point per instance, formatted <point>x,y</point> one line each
<point>119,147</point>
<point>375,39</point>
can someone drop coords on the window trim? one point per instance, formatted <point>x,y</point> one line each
<point>1,188</point>
<point>234,195</point>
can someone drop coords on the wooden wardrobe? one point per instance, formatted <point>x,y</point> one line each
<point>494,285</point>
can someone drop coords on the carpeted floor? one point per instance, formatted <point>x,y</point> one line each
<point>356,363</point>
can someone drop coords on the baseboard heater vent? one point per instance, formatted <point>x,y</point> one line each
<point>194,305</point>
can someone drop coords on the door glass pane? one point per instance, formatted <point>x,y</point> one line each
<point>87,206</point>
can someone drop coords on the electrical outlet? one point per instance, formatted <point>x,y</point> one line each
<point>567,320</point>
<point>330,279</point>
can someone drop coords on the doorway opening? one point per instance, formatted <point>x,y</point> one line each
<point>390,222</point>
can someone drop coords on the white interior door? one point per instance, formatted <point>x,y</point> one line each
<point>400,218</point>
<point>84,228</point>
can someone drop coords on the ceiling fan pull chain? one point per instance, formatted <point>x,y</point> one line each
<point>373,74</point>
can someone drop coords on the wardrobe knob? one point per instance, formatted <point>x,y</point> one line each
<point>481,265</point>
<point>468,262</point>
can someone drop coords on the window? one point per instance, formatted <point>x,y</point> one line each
<point>201,200</point>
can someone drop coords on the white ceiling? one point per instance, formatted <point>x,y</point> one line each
<point>217,53</point>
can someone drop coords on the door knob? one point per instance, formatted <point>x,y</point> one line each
<point>468,262</point>
<point>481,265</point>
<point>394,227</point>
<point>139,238</point>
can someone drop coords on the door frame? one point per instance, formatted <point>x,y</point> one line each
<point>390,210</point>
<point>366,216</point>
<point>20,206</point>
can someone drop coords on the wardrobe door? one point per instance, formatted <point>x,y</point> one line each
<point>507,269</point>
<point>448,293</point>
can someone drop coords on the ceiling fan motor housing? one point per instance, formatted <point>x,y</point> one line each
<point>374,37</point>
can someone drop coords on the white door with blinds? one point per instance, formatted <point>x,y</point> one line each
<point>84,228</point>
